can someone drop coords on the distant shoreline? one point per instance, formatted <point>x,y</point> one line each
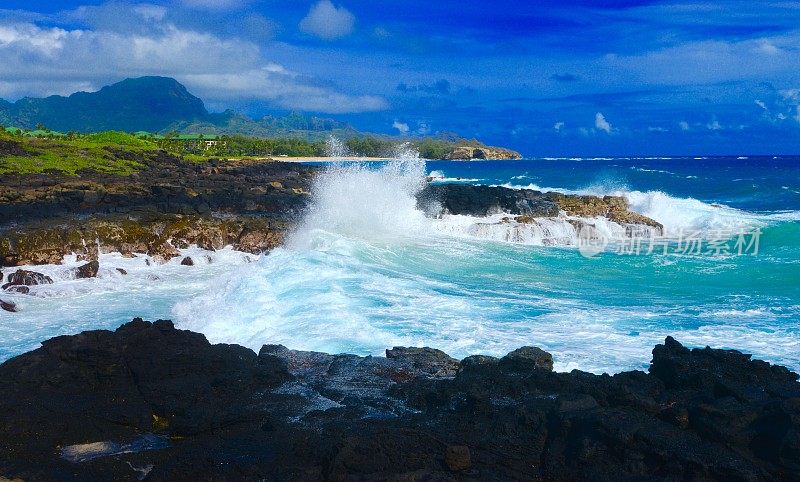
<point>323,159</point>
<point>346,158</point>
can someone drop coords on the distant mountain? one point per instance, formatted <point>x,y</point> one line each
<point>292,125</point>
<point>153,104</point>
<point>145,103</point>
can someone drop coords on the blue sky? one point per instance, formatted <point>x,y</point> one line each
<point>549,78</point>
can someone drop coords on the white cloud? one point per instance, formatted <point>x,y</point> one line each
<point>683,125</point>
<point>558,126</point>
<point>761,104</point>
<point>151,12</point>
<point>601,123</point>
<point>43,61</point>
<point>657,129</point>
<point>710,61</point>
<point>764,46</point>
<point>327,21</point>
<point>714,125</point>
<point>790,95</point>
<point>283,88</point>
<point>797,114</point>
<point>402,127</point>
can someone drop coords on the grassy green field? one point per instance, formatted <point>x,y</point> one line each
<point>111,152</point>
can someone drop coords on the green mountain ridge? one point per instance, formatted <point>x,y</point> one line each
<point>153,104</point>
<point>145,103</point>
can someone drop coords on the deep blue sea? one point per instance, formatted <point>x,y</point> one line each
<point>366,270</point>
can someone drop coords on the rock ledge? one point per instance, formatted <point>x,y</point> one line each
<point>148,400</point>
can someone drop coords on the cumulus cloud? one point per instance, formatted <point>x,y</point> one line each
<point>600,123</point>
<point>714,125</point>
<point>327,21</point>
<point>683,125</point>
<point>709,61</point>
<point>402,127</point>
<point>283,88</point>
<point>761,104</point>
<point>42,61</point>
<point>558,126</point>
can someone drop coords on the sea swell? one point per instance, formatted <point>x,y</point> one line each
<point>366,269</point>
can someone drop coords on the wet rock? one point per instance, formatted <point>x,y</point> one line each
<point>526,204</point>
<point>532,356</point>
<point>614,208</point>
<point>88,270</point>
<point>476,360</point>
<point>230,414</point>
<point>187,261</point>
<point>168,198</point>
<point>8,306</point>
<point>23,277</point>
<point>458,458</point>
<point>428,361</point>
<point>163,252</point>
<point>122,271</point>
<point>485,200</point>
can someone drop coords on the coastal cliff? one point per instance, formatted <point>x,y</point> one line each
<point>149,402</point>
<point>482,152</point>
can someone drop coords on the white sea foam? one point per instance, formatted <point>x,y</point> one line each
<point>678,215</point>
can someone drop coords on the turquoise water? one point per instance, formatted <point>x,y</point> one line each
<point>366,270</point>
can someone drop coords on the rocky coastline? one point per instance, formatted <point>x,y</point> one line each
<point>150,402</point>
<point>250,205</point>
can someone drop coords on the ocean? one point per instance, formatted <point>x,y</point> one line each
<point>366,270</point>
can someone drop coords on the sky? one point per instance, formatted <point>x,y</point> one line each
<point>548,78</point>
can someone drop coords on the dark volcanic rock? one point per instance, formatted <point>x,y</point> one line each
<point>532,356</point>
<point>427,361</point>
<point>195,411</point>
<point>8,306</point>
<point>527,204</point>
<point>485,200</point>
<point>88,270</point>
<point>212,205</point>
<point>23,277</point>
<point>187,261</point>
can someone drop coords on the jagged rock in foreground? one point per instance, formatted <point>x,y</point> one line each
<point>149,401</point>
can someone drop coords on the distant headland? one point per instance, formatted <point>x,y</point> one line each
<point>161,109</point>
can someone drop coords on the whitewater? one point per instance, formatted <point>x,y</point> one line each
<point>367,269</point>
